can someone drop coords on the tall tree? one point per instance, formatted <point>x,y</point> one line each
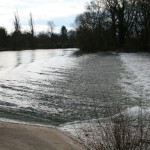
<point>111,7</point>
<point>121,7</point>
<point>51,27</point>
<point>144,10</point>
<point>16,22</point>
<point>32,32</point>
<point>31,24</point>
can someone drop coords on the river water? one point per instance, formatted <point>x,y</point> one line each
<point>57,86</point>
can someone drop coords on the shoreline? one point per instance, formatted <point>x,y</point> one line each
<point>13,121</point>
<point>21,135</point>
<point>80,51</point>
<point>30,49</point>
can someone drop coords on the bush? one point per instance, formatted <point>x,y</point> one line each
<point>126,131</point>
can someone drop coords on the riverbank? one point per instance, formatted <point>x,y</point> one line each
<point>32,137</point>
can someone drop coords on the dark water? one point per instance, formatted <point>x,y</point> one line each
<point>56,86</point>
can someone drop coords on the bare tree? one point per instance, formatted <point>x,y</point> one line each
<point>16,22</point>
<point>95,14</point>
<point>111,7</point>
<point>51,27</point>
<point>122,13</point>
<point>31,24</point>
<point>144,10</point>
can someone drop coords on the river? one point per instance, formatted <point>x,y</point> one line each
<point>57,86</point>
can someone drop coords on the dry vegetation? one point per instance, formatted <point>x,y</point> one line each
<point>125,131</point>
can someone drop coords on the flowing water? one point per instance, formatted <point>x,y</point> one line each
<point>56,86</point>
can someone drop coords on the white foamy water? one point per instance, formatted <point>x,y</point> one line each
<point>136,79</point>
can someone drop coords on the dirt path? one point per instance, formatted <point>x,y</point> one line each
<point>29,137</point>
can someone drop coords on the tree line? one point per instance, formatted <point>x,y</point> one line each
<point>18,40</point>
<point>114,24</point>
<point>105,25</point>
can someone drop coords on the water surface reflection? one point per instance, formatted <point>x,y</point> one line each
<point>55,86</point>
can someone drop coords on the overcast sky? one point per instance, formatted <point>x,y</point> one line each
<point>62,12</point>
